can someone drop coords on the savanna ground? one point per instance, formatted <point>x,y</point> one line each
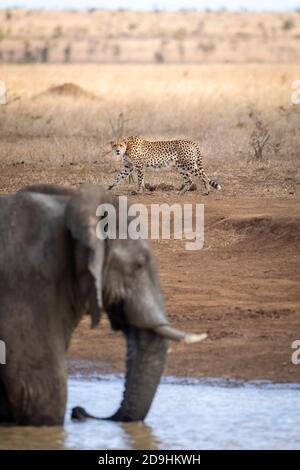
<point>243,286</point>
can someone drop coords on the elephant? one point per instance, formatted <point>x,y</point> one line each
<point>53,270</point>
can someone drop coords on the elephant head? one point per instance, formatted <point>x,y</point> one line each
<point>128,289</point>
<point>97,275</point>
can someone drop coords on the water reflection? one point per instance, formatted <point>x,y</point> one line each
<point>185,415</point>
<point>32,438</point>
<point>140,436</point>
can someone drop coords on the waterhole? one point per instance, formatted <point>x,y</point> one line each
<point>186,414</point>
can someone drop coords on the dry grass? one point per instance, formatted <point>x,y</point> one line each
<point>216,105</point>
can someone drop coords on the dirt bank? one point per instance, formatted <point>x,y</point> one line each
<point>242,287</point>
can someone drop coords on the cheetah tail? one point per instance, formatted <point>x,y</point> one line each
<point>215,185</point>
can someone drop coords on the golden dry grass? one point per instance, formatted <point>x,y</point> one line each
<point>215,105</point>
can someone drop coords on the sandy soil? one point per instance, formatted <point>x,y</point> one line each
<point>242,287</point>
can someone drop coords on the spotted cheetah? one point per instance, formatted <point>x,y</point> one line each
<point>139,154</point>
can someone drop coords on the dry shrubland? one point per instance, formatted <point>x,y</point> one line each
<point>132,36</point>
<point>223,79</point>
<point>67,114</point>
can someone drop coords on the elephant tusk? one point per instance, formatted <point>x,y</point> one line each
<point>194,338</point>
<point>176,335</point>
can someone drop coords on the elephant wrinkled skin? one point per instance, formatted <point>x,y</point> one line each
<point>53,270</point>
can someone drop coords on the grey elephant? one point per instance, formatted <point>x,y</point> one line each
<point>53,270</point>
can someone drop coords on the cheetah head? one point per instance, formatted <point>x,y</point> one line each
<point>119,147</point>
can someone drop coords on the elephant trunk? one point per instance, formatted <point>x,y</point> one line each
<point>146,352</point>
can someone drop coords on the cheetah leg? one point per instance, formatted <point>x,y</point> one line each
<point>187,182</point>
<point>203,176</point>
<point>205,180</point>
<point>124,173</point>
<point>130,178</point>
<point>198,171</point>
<point>141,178</point>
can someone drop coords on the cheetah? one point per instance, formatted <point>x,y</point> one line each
<point>139,154</point>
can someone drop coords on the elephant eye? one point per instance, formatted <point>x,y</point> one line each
<point>138,265</point>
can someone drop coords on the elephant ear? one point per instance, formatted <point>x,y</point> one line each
<point>81,220</point>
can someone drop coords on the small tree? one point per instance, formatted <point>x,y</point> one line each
<point>8,15</point>
<point>116,50</point>
<point>10,55</point>
<point>2,34</point>
<point>28,54</point>
<point>159,57</point>
<point>288,24</point>
<point>258,139</point>
<point>45,53</point>
<point>180,34</point>
<point>57,32</point>
<point>67,53</point>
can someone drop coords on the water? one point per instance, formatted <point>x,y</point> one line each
<point>186,414</point>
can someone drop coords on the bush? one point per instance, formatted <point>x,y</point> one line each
<point>206,47</point>
<point>159,58</point>
<point>180,34</point>
<point>288,24</point>
<point>2,34</point>
<point>57,32</point>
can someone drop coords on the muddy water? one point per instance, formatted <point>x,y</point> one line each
<point>186,414</point>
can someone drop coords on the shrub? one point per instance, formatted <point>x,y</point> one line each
<point>180,34</point>
<point>206,46</point>
<point>159,58</point>
<point>258,140</point>
<point>2,34</point>
<point>57,32</point>
<point>288,24</point>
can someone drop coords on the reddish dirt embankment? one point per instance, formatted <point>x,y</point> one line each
<point>242,288</point>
